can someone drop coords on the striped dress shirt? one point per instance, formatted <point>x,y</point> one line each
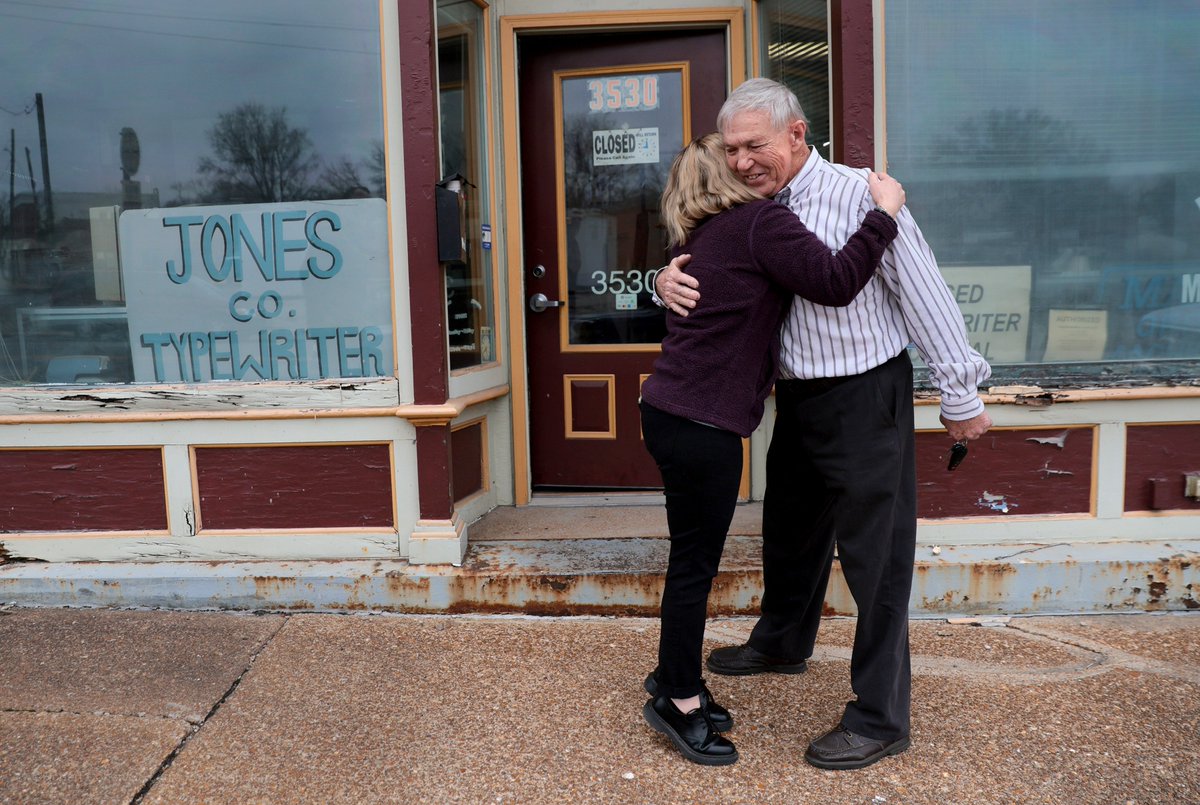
<point>906,302</point>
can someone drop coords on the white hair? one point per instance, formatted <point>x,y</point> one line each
<point>763,95</point>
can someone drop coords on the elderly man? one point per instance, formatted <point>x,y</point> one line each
<point>840,469</point>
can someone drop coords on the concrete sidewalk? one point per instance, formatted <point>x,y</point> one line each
<point>103,706</point>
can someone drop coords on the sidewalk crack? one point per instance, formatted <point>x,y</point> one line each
<point>196,727</point>
<point>1112,657</point>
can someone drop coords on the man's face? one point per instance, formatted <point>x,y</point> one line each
<point>764,157</point>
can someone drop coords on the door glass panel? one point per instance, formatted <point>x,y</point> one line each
<point>620,131</point>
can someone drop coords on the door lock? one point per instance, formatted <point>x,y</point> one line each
<point>538,302</point>
<point>538,272</point>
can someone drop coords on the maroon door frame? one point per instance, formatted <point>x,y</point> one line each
<point>852,54</point>
<point>561,457</point>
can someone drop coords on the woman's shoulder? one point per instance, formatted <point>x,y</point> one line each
<point>747,210</point>
<point>773,214</point>
<point>739,218</point>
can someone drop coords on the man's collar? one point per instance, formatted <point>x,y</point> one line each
<point>808,172</point>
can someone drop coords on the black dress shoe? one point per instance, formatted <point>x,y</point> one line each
<point>842,749</point>
<point>721,719</point>
<point>745,660</point>
<point>692,733</point>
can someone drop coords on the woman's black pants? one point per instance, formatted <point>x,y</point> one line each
<point>701,470</point>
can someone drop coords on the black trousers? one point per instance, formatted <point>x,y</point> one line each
<point>701,469</point>
<point>840,471</point>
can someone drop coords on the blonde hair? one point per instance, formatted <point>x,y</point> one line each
<point>700,185</point>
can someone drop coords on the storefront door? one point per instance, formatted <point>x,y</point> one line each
<point>601,118</point>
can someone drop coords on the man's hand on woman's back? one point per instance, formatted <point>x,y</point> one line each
<point>678,291</point>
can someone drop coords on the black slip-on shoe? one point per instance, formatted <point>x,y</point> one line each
<point>721,718</point>
<point>692,733</point>
<point>842,749</point>
<point>745,660</point>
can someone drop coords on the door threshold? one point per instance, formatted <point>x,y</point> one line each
<point>608,498</point>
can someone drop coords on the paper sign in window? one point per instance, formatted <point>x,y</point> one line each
<point>625,147</point>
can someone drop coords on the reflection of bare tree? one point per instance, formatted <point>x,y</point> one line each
<point>612,212</point>
<point>1014,136</point>
<point>606,186</point>
<point>340,177</point>
<point>258,157</point>
<point>377,167</point>
<point>1013,185</point>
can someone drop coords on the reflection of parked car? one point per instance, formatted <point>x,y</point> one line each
<point>1178,326</point>
<point>73,285</point>
<point>645,324</point>
<point>78,369</point>
<point>33,268</point>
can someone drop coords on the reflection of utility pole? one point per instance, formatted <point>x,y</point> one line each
<point>41,114</point>
<point>131,156</point>
<point>37,224</point>
<point>12,176</point>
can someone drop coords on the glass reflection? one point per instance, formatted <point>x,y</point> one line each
<point>1060,140</point>
<point>470,333</point>
<point>620,133</point>
<point>144,105</point>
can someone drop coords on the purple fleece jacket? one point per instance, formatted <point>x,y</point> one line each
<point>719,362</point>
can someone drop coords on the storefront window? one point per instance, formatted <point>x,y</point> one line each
<point>195,193</point>
<point>795,41</point>
<point>1051,156</point>
<point>461,111</point>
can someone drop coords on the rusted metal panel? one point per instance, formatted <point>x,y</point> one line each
<point>295,486</point>
<point>622,577</point>
<point>108,489</point>
<point>1014,472</point>
<point>1157,457</point>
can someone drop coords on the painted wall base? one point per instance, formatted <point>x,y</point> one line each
<point>620,577</point>
<point>438,542</point>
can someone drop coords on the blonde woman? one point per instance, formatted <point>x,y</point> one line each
<point>717,365</point>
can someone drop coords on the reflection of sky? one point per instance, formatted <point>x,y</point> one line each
<point>1124,73</point>
<point>167,68</point>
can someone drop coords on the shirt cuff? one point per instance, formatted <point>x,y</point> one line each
<point>961,408</point>
<point>654,295</point>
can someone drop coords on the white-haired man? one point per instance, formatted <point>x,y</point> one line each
<point>840,468</point>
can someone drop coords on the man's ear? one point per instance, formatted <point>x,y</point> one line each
<point>796,132</point>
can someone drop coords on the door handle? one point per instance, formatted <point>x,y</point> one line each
<point>538,302</point>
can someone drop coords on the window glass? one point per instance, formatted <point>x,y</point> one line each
<point>621,130</point>
<point>460,61</point>
<point>794,35</point>
<point>1051,156</point>
<point>195,192</point>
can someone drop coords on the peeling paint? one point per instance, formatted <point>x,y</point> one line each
<point>1058,440</point>
<point>104,402</point>
<point>1043,400</point>
<point>997,503</point>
